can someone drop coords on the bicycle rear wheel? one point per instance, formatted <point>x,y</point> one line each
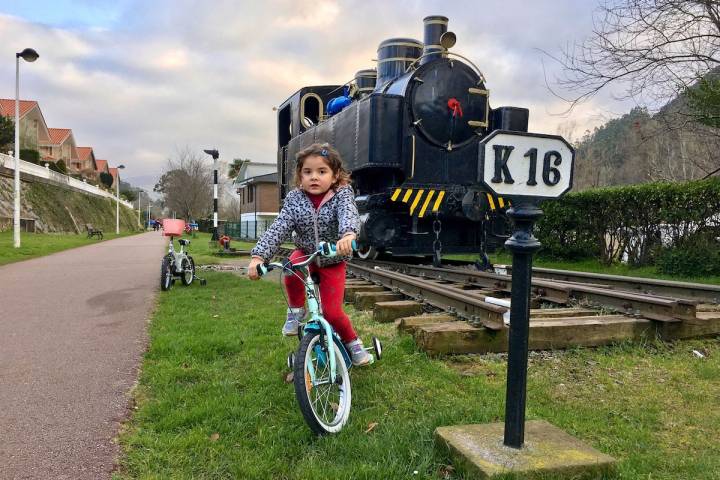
<point>166,277</point>
<point>188,271</point>
<point>324,405</point>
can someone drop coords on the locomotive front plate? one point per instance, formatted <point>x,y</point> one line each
<point>448,103</point>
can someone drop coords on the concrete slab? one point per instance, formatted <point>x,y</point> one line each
<point>478,451</point>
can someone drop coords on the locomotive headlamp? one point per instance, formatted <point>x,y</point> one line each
<point>447,40</point>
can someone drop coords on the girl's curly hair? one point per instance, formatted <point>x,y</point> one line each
<point>332,159</point>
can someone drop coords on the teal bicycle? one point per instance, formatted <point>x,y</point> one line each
<point>321,363</point>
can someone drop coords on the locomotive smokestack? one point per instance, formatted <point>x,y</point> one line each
<point>435,26</point>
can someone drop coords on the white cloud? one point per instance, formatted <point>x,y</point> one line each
<point>158,75</point>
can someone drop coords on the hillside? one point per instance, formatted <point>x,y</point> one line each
<point>642,147</point>
<point>57,209</point>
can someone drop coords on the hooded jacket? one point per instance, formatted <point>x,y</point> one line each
<point>336,216</point>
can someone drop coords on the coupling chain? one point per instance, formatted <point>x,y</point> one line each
<point>437,244</point>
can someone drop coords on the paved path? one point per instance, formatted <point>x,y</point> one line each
<point>72,334</point>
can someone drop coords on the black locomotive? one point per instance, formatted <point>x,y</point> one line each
<point>409,132</point>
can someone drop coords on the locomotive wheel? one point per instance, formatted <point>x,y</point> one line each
<point>368,253</point>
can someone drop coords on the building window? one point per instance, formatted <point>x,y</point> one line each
<point>251,193</point>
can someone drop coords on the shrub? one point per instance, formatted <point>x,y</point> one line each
<point>30,155</point>
<point>58,166</point>
<point>629,222</point>
<point>699,256</point>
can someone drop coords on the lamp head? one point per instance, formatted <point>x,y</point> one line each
<point>121,167</point>
<point>213,153</point>
<point>29,55</point>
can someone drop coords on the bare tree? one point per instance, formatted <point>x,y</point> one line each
<point>654,48</point>
<point>187,185</point>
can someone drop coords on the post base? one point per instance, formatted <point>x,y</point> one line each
<point>478,451</point>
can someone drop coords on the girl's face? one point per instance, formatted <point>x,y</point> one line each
<point>316,176</point>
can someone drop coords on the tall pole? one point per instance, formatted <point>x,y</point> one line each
<point>117,204</point>
<point>523,245</point>
<point>16,209</point>
<point>139,224</point>
<point>29,55</point>
<point>215,198</point>
<point>215,155</point>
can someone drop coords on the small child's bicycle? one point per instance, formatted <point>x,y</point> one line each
<point>321,378</point>
<point>177,264</point>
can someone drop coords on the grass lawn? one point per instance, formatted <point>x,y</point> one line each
<point>38,244</point>
<point>212,402</point>
<point>204,254</point>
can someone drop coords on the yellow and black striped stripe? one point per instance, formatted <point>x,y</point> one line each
<point>433,199</point>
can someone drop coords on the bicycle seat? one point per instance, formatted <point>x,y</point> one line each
<point>182,241</point>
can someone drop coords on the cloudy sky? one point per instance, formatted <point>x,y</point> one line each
<point>138,79</point>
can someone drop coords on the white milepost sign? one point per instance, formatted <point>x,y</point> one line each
<point>531,165</point>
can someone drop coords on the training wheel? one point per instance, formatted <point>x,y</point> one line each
<point>291,360</point>
<point>377,346</point>
<point>203,282</point>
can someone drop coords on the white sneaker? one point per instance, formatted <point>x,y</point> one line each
<point>294,317</point>
<point>357,353</point>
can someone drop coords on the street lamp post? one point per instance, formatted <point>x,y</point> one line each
<point>29,55</point>
<point>139,193</point>
<point>215,155</point>
<point>117,200</point>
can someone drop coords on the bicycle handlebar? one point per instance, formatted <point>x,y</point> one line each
<point>325,249</point>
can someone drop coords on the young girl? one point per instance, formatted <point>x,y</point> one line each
<point>321,208</point>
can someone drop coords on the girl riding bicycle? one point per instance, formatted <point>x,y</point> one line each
<point>320,208</point>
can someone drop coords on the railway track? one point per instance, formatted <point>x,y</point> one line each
<point>603,308</point>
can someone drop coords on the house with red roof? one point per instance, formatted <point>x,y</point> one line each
<point>101,166</point>
<point>116,176</point>
<point>61,146</point>
<point>86,156</point>
<point>33,128</point>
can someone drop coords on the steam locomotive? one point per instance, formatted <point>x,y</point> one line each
<point>409,132</point>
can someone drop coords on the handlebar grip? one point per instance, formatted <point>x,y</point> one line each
<point>262,269</point>
<point>330,249</point>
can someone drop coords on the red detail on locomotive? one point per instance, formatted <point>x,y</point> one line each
<point>454,105</point>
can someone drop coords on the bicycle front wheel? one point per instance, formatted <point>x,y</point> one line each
<point>325,405</point>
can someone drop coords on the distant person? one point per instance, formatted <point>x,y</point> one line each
<point>320,208</point>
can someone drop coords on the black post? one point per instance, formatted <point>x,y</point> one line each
<point>523,245</point>
<point>215,155</point>
<point>215,235</point>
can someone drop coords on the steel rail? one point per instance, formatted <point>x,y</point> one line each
<point>654,307</point>
<point>669,288</point>
<point>454,300</point>
<point>551,291</point>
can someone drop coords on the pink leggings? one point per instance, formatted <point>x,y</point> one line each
<point>332,293</point>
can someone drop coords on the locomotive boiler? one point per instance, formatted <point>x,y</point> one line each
<point>409,132</point>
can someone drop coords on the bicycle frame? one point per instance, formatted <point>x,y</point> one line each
<point>317,322</point>
<point>177,256</point>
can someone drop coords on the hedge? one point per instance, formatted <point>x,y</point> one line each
<point>637,223</point>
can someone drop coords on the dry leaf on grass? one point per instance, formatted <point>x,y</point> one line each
<point>371,427</point>
<point>289,377</point>
<point>214,437</point>
<point>446,471</point>
<point>216,316</point>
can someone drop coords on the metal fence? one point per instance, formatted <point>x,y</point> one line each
<point>247,230</point>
